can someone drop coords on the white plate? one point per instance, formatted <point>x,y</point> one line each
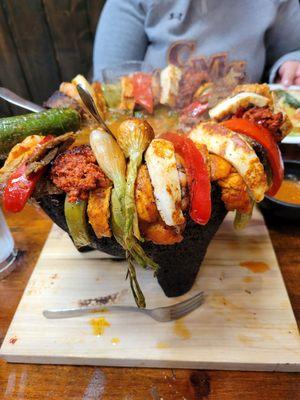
<point>276,86</point>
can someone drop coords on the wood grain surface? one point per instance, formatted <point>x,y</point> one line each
<point>246,322</point>
<point>36,382</point>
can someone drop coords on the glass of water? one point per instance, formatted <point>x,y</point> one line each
<point>8,253</point>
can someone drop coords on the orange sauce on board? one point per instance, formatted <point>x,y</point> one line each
<point>162,345</point>
<point>115,341</point>
<point>181,330</point>
<point>247,279</point>
<point>289,192</point>
<point>99,325</point>
<point>255,266</point>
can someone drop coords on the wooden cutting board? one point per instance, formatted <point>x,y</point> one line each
<point>246,323</point>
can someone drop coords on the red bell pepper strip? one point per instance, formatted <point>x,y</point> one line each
<point>20,187</point>
<point>264,137</point>
<point>195,109</point>
<point>197,176</point>
<point>142,90</point>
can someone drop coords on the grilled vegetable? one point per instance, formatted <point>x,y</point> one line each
<point>18,189</point>
<point>55,121</point>
<point>288,98</point>
<point>241,219</point>
<point>142,91</point>
<point>75,214</point>
<point>231,146</point>
<point>265,138</point>
<point>20,186</point>
<point>112,161</point>
<point>197,175</point>
<point>133,136</point>
<point>161,163</point>
<point>18,154</point>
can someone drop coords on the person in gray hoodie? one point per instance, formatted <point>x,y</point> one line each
<point>264,33</point>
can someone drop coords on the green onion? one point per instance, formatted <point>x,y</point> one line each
<point>112,161</point>
<point>241,219</point>
<point>133,136</point>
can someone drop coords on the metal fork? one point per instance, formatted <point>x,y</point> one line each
<point>162,314</point>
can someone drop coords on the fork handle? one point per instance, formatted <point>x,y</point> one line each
<point>13,98</point>
<point>79,311</point>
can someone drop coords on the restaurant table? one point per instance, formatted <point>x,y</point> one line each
<point>56,382</point>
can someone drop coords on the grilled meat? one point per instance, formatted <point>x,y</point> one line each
<point>144,198</point>
<point>219,167</point>
<point>61,100</point>
<point>76,172</point>
<point>159,233</point>
<point>98,211</point>
<point>234,193</point>
<point>265,117</point>
<point>46,152</point>
<point>150,223</point>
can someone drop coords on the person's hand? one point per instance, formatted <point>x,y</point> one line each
<point>289,73</point>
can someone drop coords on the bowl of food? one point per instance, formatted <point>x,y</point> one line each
<point>156,185</point>
<point>286,202</point>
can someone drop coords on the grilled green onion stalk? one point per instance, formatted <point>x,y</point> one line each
<point>133,136</point>
<point>241,219</point>
<point>75,214</point>
<point>15,129</point>
<point>112,161</point>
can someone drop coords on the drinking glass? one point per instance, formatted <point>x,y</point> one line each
<point>8,253</point>
<point>113,74</point>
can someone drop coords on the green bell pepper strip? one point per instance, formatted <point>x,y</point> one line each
<point>75,214</point>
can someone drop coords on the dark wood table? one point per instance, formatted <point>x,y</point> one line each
<point>37,382</point>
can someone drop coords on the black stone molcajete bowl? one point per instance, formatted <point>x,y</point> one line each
<point>179,263</point>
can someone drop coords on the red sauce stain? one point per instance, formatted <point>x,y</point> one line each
<point>257,267</point>
<point>13,340</point>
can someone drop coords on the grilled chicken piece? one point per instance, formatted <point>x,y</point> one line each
<point>151,225</point>
<point>232,147</point>
<point>234,193</point>
<point>144,198</point>
<point>159,233</point>
<point>127,99</point>
<point>169,82</point>
<point>161,164</point>
<point>232,104</point>
<point>98,211</point>
<point>261,89</point>
<point>69,89</point>
<point>219,167</point>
